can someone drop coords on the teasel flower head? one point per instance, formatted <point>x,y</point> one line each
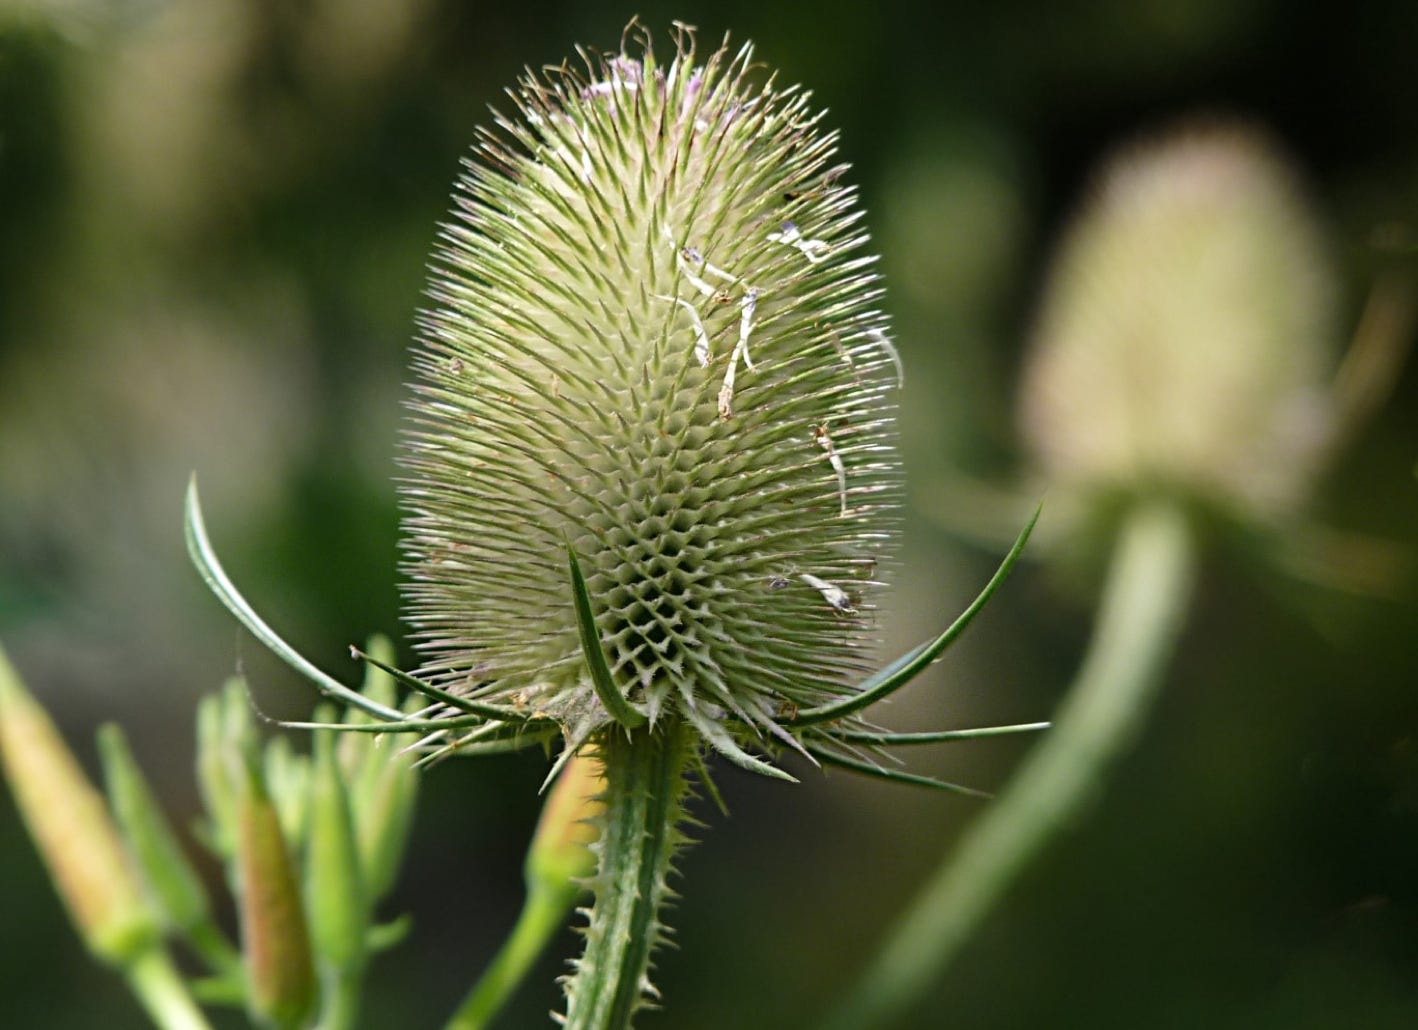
<point>1184,341</point>
<point>655,341</point>
<point>651,468</point>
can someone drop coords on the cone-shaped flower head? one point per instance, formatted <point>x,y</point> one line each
<point>654,341</point>
<point>1183,338</point>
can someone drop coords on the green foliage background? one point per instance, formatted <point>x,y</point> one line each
<point>214,218</point>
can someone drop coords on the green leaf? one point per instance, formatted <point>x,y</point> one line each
<point>226,991</point>
<point>448,722</point>
<point>492,746</point>
<point>383,936</point>
<point>723,743</point>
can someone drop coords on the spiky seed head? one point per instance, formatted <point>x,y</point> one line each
<point>654,338</point>
<point>1184,334</point>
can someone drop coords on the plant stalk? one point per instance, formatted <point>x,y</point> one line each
<point>543,915</point>
<point>215,949</point>
<point>1145,600</point>
<point>645,794</point>
<point>158,986</point>
<point>339,999</point>
<point>559,859</point>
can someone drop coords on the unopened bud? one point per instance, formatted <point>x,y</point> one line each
<point>560,854</point>
<point>383,782</point>
<point>274,939</point>
<point>71,828</point>
<point>337,905</point>
<point>173,883</point>
<point>224,732</point>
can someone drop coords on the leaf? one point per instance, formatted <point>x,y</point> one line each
<point>722,741</point>
<point>447,722</point>
<point>383,936</point>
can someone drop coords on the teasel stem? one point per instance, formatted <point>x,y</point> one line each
<point>646,790</point>
<point>1148,590</point>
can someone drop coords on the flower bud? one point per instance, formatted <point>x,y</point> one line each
<point>654,340</point>
<point>71,828</point>
<point>275,942</point>
<point>224,735</point>
<point>173,883</point>
<point>560,854</point>
<point>336,902</point>
<point>384,806</point>
<point>288,775</point>
<point>1184,332</point>
<point>380,776</point>
<point>383,780</point>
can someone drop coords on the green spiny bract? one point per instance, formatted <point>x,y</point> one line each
<point>654,341</point>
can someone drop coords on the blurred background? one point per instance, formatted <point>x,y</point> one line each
<point>214,221</point>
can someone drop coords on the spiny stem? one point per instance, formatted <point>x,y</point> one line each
<point>1147,593</point>
<point>644,797</point>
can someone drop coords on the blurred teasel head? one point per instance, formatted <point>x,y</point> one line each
<point>1184,340</point>
<point>654,343</point>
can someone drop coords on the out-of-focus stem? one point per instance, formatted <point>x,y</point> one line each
<point>558,861</point>
<point>543,915</point>
<point>216,951</point>
<point>339,999</point>
<point>158,986</point>
<point>1145,600</point>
